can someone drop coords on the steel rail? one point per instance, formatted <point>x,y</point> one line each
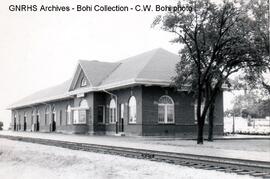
<point>232,165</point>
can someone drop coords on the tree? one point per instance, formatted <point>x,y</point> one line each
<point>260,31</point>
<point>251,104</point>
<point>216,45</point>
<point>1,125</point>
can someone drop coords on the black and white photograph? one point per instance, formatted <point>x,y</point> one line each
<point>143,89</point>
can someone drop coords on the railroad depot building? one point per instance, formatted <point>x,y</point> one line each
<point>132,97</point>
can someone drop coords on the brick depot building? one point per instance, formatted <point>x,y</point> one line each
<point>133,96</point>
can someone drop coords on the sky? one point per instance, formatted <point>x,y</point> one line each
<point>41,49</point>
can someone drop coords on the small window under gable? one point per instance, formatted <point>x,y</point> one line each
<point>83,82</point>
<point>80,80</point>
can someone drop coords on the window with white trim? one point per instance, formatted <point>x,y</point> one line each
<point>25,117</point>
<point>84,104</point>
<point>165,110</point>
<point>32,117</point>
<point>112,111</point>
<point>37,116</point>
<point>83,82</point>
<point>122,108</point>
<point>80,115</point>
<point>47,113</point>
<point>60,117</point>
<point>68,115</point>
<point>53,114</point>
<point>132,110</point>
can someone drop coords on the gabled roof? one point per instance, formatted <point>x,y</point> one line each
<point>97,71</point>
<point>155,67</point>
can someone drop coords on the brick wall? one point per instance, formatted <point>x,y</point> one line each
<point>184,113</point>
<point>147,113</point>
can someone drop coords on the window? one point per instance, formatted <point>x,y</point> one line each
<point>122,111</point>
<point>69,115</point>
<point>112,111</point>
<point>60,117</point>
<point>79,115</point>
<point>46,115</point>
<point>84,104</point>
<point>165,110</point>
<point>202,107</point>
<point>37,116</point>
<point>132,110</point>
<point>83,82</point>
<point>32,117</point>
<point>53,112</point>
<point>25,117</point>
<point>19,122</point>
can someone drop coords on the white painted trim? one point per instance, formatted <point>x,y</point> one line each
<point>121,84</point>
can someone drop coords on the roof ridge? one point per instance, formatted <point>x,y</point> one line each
<point>96,61</point>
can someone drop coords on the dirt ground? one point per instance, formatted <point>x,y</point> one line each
<point>20,160</point>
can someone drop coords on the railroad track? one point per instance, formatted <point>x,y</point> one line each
<point>238,166</point>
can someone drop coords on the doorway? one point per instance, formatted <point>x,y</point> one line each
<point>53,122</point>
<point>37,122</point>
<point>121,120</point>
<point>24,123</point>
<point>15,124</point>
<point>101,114</point>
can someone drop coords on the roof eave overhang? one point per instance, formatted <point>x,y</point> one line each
<point>112,86</point>
<point>38,102</point>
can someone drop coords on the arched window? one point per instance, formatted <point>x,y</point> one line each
<point>112,111</point>
<point>25,116</point>
<point>53,110</point>
<point>37,117</point>
<point>132,110</point>
<point>165,110</point>
<point>84,104</point>
<point>19,122</point>
<point>47,113</point>
<point>32,116</point>
<point>68,115</point>
<point>53,114</point>
<point>83,82</point>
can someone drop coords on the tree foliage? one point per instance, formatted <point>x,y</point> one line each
<point>217,43</point>
<point>1,125</point>
<point>250,104</point>
<point>258,10</point>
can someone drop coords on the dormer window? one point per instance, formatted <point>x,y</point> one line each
<point>83,82</point>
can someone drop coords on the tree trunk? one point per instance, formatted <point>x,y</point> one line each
<point>200,133</point>
<point>211,122</point>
